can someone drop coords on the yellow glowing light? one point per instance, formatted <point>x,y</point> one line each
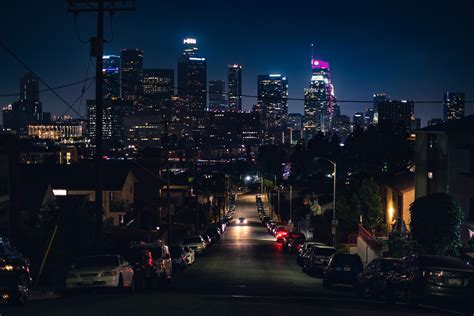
<point>8,267</point>
<point>391,211</point>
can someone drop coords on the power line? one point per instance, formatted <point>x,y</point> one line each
<point>51,89</point>
<point>15,56</point>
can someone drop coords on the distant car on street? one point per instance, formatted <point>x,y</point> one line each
<point>304,249</point>
<point>100,271</point>
<point>376,276</point>
<point>242,221</point>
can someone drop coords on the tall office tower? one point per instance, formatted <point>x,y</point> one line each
<point>320,104</point>
<point>158,88</point>
<point>273,100</point>
<point>453,106</point>
<point>112,121</point>
<point>28,109</point>
<point>358,120</point>
<point>369,116</point>
<point>397,113</point>
<point>378,98</point>
<point>192,79</point>
<point>111,71</point>
<point>234,82</point>
<point>132,73</point>
<point>29,88</point>
<point>217,96</point>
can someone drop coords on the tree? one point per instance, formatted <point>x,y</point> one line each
<point>360,198</point>
<point>435,224</point>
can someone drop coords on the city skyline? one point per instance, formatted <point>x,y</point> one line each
<point>405,70</point>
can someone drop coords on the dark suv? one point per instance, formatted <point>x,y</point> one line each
<point>425,277</point>
<point>15,278</point>
<point>342,268</point>
<point>378,273</point>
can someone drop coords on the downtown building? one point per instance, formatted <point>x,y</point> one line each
<point>113,129</point>
<point>320,105</point>
<point>272,104</point>
<point>111,73</point>
<point>27,110</point>
<point>234,87</point>
<point>131,61</point>
<point>158,91</point>
<point>396,114</point>
<point>453,105</point>
<point>192,83</point>
<point>217,96</point>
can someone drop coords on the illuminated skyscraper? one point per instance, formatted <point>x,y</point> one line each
<point>192,78</point>
<point>453,106</point>
<point>235,87</point>
<point>273,100</point>
<point>158,83</point>
<point>320,105</point>
<point>217,97</point>
<point>132,73</point>
<point>111,71</point>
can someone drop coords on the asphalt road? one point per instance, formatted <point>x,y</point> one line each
<point>244,274</point>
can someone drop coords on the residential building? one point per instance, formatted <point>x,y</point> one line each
<point>444,159</point>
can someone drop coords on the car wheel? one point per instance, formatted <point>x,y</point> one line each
<point>120,283</point>
<point>20,297</point>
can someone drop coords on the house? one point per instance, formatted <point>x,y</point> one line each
<point>398,193</point>
<point>80,180</point>
<point>444,159</point>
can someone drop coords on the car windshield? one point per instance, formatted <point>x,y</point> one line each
<point>192,240</point>
<point>324,251</point>
<point>97,261</point>
<point>347,260</point>
<point>389,265</point>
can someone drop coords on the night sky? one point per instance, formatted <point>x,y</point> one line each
<point>408,49</point>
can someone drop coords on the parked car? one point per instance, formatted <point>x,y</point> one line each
<point>304,249</point>
<point>317,259</point>
<point>160,258</point>
<point>293,242</point>
<point>214,233</point>
<point>178,255</point>
<point>427,277</point>
<point>145,271</point>
<point>196,243</point>
<point>265,219</point>
<point>15,277</point>
<point>373,281</point>
<point>207,239</point>
<point>343,268</point>
<point>100,271</point>
<point>280,233</point>
<point>189,256</point>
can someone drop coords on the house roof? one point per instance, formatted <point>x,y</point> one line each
<point>463,125</point>
<point>76,177</point>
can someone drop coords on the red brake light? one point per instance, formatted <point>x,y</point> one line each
<point>279,235</point>
<point>284,233</point>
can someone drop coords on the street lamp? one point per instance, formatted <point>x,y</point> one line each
<point>334,220</point>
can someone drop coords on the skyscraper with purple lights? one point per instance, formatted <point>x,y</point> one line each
<point>319,106</point>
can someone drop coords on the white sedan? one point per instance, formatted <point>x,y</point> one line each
<point>196,243</point>
<point>100,271</point>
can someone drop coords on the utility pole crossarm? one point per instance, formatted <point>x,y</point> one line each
<point>84,6</point>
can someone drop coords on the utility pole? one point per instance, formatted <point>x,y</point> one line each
<point>97,51</point>
<point>168,199</point>
<point>291,205</point>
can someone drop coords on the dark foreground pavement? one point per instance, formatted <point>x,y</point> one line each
<point>244,274</point>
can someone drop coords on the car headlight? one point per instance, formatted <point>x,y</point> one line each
<point>108,273</point>
<point>71,276</point>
